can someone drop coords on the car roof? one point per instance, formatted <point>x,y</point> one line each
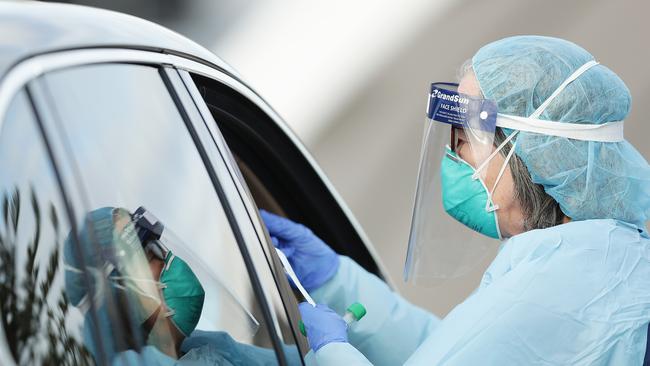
<point>31,28</point>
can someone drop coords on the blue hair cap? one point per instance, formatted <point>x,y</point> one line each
<point>590,180</point>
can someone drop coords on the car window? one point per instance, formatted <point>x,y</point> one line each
<point>177,284</point>
<point>279,174</point>
<point>39,325</point>
<point>283,299</point>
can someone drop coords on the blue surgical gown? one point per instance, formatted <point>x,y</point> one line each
<point>573,294</point>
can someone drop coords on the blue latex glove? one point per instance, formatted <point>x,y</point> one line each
<point>322,325</point>
<point>313,261</point>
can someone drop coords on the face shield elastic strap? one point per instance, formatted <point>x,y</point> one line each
<point>84,303</point>
<point>135,289</point>
<point>490,205</point>
<point>105,273</point>
<point>604,132</point>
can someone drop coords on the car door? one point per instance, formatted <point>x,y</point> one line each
<point>130,141</point>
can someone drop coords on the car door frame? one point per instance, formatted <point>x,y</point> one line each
<point>26,73</point>
<point>249,206</point>
<point>245,209</point>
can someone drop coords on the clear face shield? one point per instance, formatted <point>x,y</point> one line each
<point>226,312</point>
<point>459,173</point>
<point>458,148</point>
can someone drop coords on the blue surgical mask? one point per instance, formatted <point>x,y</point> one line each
<point>465,196</point>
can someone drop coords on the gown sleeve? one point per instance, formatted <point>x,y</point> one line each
<point>390,332</point>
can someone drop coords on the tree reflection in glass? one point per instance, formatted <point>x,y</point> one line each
<point>32,311</point>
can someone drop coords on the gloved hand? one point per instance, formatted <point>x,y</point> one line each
<point>322,325</point>
<point>313,261</point>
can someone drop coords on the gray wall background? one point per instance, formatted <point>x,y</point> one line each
<point>367,137</point>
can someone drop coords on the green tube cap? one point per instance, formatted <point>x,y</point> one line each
<point>301,326</point>
<point>357,310</point>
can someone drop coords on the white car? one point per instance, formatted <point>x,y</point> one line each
<point>100,109</point>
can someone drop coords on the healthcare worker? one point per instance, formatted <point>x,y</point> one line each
<point>134,292</point>
<point>141,302</point>
<point>527,149</point>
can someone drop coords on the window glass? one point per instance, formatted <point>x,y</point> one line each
<point>38,322</point>
<point>215,107</point>
<point>166,251</point>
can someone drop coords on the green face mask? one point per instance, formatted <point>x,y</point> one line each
<point>465,198</point>
<point>183,293</point>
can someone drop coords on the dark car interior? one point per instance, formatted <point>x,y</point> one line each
<point>278,176</point>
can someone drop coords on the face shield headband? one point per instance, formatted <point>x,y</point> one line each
<point>449,106</point>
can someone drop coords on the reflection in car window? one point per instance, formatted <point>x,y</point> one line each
<point>214,106</point>
<point>38,323</point>
<point>132,150</point>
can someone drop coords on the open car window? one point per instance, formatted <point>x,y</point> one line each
<point>269,158</point>
<point>283,300</point>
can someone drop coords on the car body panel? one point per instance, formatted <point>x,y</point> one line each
<point>32,28</point>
